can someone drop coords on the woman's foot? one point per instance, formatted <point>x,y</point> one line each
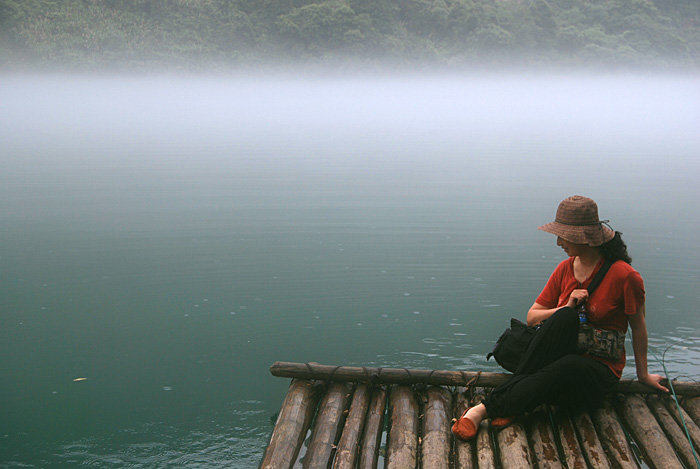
<point>465,428</point>
<point>501,422</point>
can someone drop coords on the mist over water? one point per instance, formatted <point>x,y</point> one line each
<point>168,238</point>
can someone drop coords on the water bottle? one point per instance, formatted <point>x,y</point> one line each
<point>582,317</point>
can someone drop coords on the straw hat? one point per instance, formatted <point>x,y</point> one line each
<point>577,222</point>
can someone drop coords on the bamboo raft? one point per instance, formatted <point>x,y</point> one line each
<point>359,417</point>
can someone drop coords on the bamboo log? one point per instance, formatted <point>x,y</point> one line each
<point>485,456</point>
<point>656,449</point>
<point>315,371</point>
<point>613,437</point>
<point>513,447</point>
<point>349,445</point>
<point>465,451</point>
<point>435,448</point>
<point>372,438</point>
<point>693,428</point>
<point>692,406</point>
<point>573,456</point>
<point>544,445</point>
<point>328,426</point>
<point>402,447</point>
<point>590,443</point>
<point>485,453</point>
<point>674,433</point>
<point>292,424</point>
<point>385,375</point>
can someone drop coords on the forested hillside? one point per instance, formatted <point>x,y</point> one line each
<point>197,34</point>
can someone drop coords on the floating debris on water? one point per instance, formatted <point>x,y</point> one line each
<point>79,379</point>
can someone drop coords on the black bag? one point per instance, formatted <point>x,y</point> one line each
<point>512,344</point>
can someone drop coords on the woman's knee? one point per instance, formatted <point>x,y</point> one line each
<point>563,321</point>
<point>565,314</point>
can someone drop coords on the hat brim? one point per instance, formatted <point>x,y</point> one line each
<point>592,235</point>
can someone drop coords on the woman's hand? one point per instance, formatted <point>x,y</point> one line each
<point>577,297</point>
<point>654,381</point>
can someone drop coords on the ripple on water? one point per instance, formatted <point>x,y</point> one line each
<point>680,356</point>
<point>237,440</point>
<point>195,450</point>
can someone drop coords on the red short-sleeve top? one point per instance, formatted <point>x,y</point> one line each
<point>620,294</point>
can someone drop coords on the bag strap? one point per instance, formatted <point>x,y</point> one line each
<point>599,277</point>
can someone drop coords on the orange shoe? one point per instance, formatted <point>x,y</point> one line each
<point>501,422</point>
<point>464,429</point>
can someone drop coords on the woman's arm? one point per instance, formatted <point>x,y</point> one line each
<point>539,313</point>
<point>640,341</point>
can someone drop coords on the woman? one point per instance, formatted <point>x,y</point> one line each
<point>554,370</point>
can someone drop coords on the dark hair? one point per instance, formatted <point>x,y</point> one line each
<point>615,250</point>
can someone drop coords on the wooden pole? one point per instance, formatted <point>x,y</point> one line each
<point>569,442</point>
<point>465,451</point>
<point>692,406</point>
<point>315,371</point>
<point>485,456</point>
<point>675,435</point>
<point>292,424</point>
<point>402,447</point>
<point>349,445</point>
<point>385,375</point>
<point>437,436</point>
<point>590,443</point>
<point>656,449</point>
<point>544,445</point>
<point>372,438</point>
<point>513,447</point>
<point>328,426</point>
<point>693,428</point>
<point>613,437</point>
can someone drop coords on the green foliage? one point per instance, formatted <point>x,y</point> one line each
<point>323,28</point>
<point>210,33</point>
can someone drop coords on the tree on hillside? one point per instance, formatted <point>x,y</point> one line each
<point>320,28</point>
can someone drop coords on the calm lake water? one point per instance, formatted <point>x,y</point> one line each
<point>169,238</point>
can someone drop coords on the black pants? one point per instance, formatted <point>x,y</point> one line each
<point>552,372</point>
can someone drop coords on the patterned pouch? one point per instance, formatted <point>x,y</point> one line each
<point>601,343</point>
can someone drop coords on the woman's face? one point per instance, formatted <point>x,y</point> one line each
<point>570,248</point>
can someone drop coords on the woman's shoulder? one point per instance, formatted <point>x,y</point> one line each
<point>564,271</point>
<point>623,270</point>
<point>567,263</point>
